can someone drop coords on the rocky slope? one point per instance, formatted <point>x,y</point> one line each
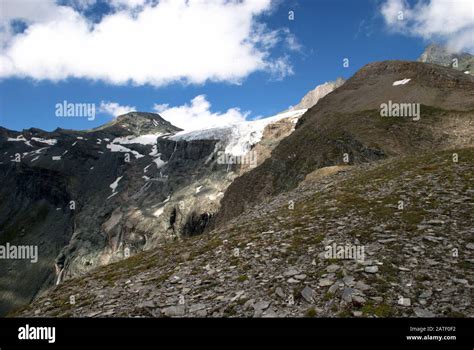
<point>271,261</point>
<point>346,127</point>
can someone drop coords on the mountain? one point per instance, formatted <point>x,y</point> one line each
<point>312,97</point>
<point>237,221</point>
<point>348,122</point>
<point>57,194</point>
<point>89,198</point>
<point>440,55</point>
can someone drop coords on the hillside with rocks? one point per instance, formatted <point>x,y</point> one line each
<point>271,261</point>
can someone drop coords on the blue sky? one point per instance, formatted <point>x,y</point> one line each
<point>311,49</point>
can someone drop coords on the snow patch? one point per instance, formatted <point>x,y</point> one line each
<point>20,138</point>
<point>159,162</point>
<point>158,212</point>
<point>118,148</point>
<point>56,157</point>
<point>149,139</point>
<point>17,139</point>
<point>400,82</point>
<point>114,184</point>
<point>146,168</point>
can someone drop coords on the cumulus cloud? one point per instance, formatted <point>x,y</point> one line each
<point>143,42</point>
<point>198,115</point>
<point>451,22</point>
<point>114,109</point>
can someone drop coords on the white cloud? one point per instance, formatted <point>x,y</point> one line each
<point>114,109</point>
<point>451,22</point>
<point>127,3</point>
<point>190,41</point>
<point>197,115</point>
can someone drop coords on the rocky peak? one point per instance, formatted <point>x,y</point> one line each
<point>139,123</point>
<point>442,56</point>
<point>312,97</point>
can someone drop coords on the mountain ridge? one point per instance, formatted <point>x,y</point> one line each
<point>348,121</point>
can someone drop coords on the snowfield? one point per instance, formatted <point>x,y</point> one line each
<point>149,139</point>
<point>238,139</point>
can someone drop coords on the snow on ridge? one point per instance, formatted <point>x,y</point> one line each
<point>20,138</point>
<point>401,82</point>
<point>50,142</point>
<point>238,138</point>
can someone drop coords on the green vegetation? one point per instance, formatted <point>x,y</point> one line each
<point>380,310</point>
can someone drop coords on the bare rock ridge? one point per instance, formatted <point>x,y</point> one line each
<point>312,97</point>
